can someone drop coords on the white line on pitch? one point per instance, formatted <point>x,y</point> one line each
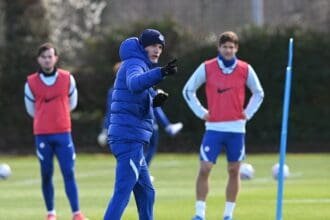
<point>33,181</point>
<point>298,201</point>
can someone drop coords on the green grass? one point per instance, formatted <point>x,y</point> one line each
<point>306,194</point>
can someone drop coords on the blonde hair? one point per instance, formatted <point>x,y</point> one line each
<point>115,67</point>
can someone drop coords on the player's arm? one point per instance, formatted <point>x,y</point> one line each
<point>256,99</point>
<point>29,100</point>
<point>73,93</point>
<point>161,117</point>
<point>138,80</point>
<point>189,92</point>
<point>172,129</point>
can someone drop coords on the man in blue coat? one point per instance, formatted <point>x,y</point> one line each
<point>131,121</point>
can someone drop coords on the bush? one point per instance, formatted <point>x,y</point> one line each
<point>265,49</point>
<point>25,29</point>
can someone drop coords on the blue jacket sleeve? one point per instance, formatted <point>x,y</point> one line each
<point>138,80</point>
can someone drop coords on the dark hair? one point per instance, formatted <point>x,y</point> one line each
<point>44,47</point>
<point>228,36</point>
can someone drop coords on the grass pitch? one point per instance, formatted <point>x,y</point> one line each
<point>306,192</point>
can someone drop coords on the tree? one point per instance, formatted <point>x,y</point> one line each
<point>25,29</point>
<point>72,22</point>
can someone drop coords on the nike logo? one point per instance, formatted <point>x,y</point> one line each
<point>223,90</point>
<point>50,99</point>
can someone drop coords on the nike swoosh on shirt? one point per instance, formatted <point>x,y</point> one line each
<point>50,99</point>
<point>223,90</point>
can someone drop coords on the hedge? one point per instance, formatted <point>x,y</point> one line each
<point>265,49</point>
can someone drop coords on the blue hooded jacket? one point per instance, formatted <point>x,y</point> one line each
<point>131,108</point>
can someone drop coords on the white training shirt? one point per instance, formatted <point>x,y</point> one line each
<point>199,77</point>
<point>49,81</point>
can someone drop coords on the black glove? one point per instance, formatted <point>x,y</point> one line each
<point>170,68</point>
<point>160,98</point>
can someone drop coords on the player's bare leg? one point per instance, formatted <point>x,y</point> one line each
<point>233,187</point>
<point>202,188</point>
<point>202,183</point>
<point>234,182</point>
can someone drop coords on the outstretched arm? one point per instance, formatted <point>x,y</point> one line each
<point>172,129</point>
<point>161,117</point>
<point>138,80</point>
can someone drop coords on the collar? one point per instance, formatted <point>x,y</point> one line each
<point>40,71</point>
<point>226,70</point>
<point>227,63</point>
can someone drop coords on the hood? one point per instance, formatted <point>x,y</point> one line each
<point>131,48</point>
